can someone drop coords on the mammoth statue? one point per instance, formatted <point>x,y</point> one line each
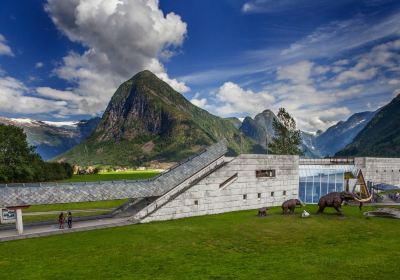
<point>335,199</point>
<point>290,205</point>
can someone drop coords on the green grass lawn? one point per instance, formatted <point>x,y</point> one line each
<point>104,207</point>
<point>106,204</point>
<point>113,176</point>
<point>54,217</point>
<point>235,245</point>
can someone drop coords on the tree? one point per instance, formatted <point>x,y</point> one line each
<point>286,138</point>
<point>20,163</point>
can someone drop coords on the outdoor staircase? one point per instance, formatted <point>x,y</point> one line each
<point>179,189</point>
<point>132,207</point>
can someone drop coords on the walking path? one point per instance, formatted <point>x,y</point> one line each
<point>57,212</point>
<point>46,230</point>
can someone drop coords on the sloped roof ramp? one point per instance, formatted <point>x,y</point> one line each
<point>53,193</point>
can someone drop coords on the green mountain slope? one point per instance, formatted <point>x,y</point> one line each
<point>381,137</point>
<point>147,120</point>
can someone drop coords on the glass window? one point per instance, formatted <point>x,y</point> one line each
<point>229,180</point>
<point>331,183</point>
<point>339,182</point>
<point>309,191</point>
<point>318,180</point>
<point>317,189</point>
<point>302,191</point>
<point>324,184</point>
<point>265,173</point>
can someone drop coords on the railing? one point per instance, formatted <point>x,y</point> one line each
<point>328,161</point>
<point>178,164</point>
<point>341,160</point>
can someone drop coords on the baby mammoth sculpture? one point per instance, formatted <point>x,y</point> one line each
<point>290,205</point>
<point>335,200</point>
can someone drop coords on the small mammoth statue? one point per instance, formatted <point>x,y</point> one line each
<point>290,205</point>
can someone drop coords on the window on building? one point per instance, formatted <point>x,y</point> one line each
<point>265,173</point>
<point>259,196</point>
<point>284,192</point>
<point>228,181</point>
<point>272,193</point>
<point>196,202</point>
<point>244,196</point>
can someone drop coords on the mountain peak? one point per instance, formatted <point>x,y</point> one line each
<point>268,111</point>
<point>144,74</point>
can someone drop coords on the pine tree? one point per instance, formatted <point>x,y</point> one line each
<point>286,138</point>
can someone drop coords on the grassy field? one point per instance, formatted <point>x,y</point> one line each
<point>235,245</point>
<point>113,176</point>
<point>76,206</point>
<point>54,217</point>
<point>104,207</point>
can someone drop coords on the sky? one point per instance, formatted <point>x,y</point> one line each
<point>321,60</point>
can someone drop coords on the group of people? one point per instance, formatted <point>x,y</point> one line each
<point>395,196</point>
<point>61,220</point>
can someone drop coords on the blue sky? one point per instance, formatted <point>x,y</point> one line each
<point>322,60</point>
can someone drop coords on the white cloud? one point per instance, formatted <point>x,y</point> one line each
<point>13,99</point>
<point>297,73</point>
<point>321,69</point>
<point>121,38</point>
<point>39,64</point>
<point>57,94</point>
<point>277,6</point>
<point>4,48</point>
<point>343,35</point>
<point>394,82</point>
<point>199,102</point>
<point>355,75</point>
<point>234,99</point>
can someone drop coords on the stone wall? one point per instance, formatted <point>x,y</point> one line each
<point>241,193</point>
<point>380,170</point>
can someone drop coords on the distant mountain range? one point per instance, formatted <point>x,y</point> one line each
<point>53,138</point>
<point>338,136</point>
<point>381,136</point>
<point>323,144</point>
<point>147,121</point>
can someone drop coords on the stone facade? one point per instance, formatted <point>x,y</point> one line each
<point>380,170</point>
<point>232,186</point>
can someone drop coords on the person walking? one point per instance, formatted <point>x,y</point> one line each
<point>61,221</point>
<point>69,220</point>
